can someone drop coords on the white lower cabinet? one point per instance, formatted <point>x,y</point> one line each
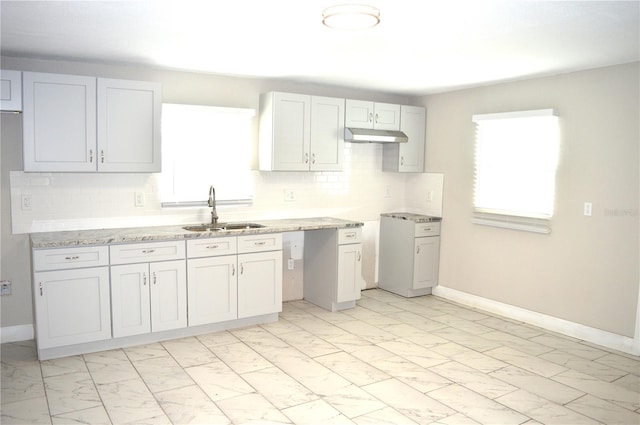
<point>72,306</point>
<point>333,268</point>
<point>259,274</point>
<point>71,295</point>
<point>148,297</point>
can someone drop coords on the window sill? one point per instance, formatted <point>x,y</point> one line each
<point>514,223</point>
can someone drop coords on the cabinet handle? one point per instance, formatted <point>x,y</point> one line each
<point>259,243</point>
<point>148,251</point>
<point>359,256</point>
<point>102,156</point>
<point>154,278</point>
<point>418,249</point>
<point>370,116</point>
<point>306,158</point>
<point>313,158</point>
<point>350,235</point>
<point>71,258</point>
<point>212,246</point>
<point>426,229</point>
<point>233,270</point>
<point>40,288</point>
<point>402,160</point>
<point>90,155</point>
<point>241,268</point>
<point>376,118</point>
<point>144,279</point>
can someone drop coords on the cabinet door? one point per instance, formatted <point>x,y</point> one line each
<point>59,122</point>
<point>130,304</point>
<point>426,259</point>
<point>386,116</point>
<point>327,133</point>
<point>412,123</point>
<point>259,283</point>
<point>291,132</point>
<point>349,272</point>
<point>358,114</point>
<point>168,284</point>
<point>72,306</point>
<point>10,90</point>
<point>213,289</point>
<point>129,126</point>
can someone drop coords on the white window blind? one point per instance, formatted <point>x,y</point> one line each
<point>515,166</point>
<point>204,146</point>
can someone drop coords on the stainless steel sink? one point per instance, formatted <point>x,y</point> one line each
<point>222,226</point>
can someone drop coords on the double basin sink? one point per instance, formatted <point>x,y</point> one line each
<point>222,226</point>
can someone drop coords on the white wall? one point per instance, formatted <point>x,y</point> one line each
<point>586,270</point>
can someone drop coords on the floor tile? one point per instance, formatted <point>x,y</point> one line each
<point>162,373</point>
<point>252,408</point>
<point>543,410</point>
<point>469,357</point>
<point>463,324</point>
<point>352,368</point>
<point>517,329</point>
<point>239,357</point>
<point>129,402</point>
<point>21,380</point>
<point>621,362</point>
<point>110,366</point>
<point>630,382</point>
<point>408,401</point>
<point>603,411</point>
<point>145,352</point>
<point>367,331</point>
<point>218,381</point>
<point>525,361</point>
<point>466,339</point>
<point>279,388</point>
<point>190,405</point>
<point>386,416</point>
<point>473,379</point>
<point>70,392</point>
<point>63,366</point>
<point>517,343</point>
<point>419,355</point>
<point>580,364</point>
<point>33,411</point>
<point>189,352</point>
<point>309,344</point>
<point>539,385</point>
<point>352,401</point>
<point>93,416</point>
<point>569,346</point>
<point>316,412</point>
<point>476,406</point>
<point>420,378</point>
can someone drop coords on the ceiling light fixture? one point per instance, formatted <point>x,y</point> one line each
<point>351,16</point>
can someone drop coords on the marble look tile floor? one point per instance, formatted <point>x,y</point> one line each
<point>390,360</point>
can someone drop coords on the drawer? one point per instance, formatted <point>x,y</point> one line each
<point>427,229</point>
<point>260,242</point>
<point>349,235</point>
<point>70,258</point>
<point>143,252</point>
<point>209,247</point>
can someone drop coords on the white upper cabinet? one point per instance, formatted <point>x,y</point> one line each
<point>366,114</point>
<point>83,124</point>
<point>128,126</point>
<point>59,122</point>
<point>407,157</point>
<point>300,132</point>
<point>10,90</point>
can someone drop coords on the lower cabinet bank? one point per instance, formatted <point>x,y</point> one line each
<point>94,298</point>
<point>91,298</point>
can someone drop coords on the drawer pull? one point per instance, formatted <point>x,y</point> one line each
<point>148,251</point>
<point>418,249</point>
<point>144,279</point>
<point>350,235</point>
<point>427,229</point>
<point>154,278</point>
<point>91,155</point>
<point>359,256</point>
<point>40,288</point>
<point>213,246</point>
<point>233,270</point>
<point>259,243</point>
<point>71,258</point>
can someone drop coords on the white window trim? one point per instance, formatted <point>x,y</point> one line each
<point>530,222</point>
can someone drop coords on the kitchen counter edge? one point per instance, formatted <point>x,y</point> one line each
<point>176,232</point>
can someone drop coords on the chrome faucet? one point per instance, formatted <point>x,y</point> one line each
<point>212,204</point>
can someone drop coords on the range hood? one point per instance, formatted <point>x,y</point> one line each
<point>368,135</point>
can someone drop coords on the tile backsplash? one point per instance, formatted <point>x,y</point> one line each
<point>73,201</point>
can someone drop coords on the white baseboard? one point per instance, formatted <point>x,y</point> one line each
<point>16,333</point>
<point>565,327</point>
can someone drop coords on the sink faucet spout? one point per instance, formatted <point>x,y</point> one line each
<point>212,204</point>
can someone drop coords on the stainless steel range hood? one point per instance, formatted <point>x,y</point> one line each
<point>366,135</point>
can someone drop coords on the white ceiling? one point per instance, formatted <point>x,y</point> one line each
<point>420,46</point>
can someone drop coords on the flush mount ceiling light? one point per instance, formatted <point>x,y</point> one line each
<point>351,16</point>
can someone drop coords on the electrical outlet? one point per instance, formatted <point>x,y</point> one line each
<point>588,209</point>
<point>140,199</point>
<point>26,202</point>
<point>290,264</point>
<point>5,287</point>
<point>289,195</point>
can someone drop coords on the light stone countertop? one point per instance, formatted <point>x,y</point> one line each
<point>159,233</point>
<point>416,218</point>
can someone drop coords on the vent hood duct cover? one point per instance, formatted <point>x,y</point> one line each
<point>368,135</point>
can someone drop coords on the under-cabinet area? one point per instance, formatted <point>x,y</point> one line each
<point>90,296</point>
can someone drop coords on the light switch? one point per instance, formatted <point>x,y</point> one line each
<point>588,209</point>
